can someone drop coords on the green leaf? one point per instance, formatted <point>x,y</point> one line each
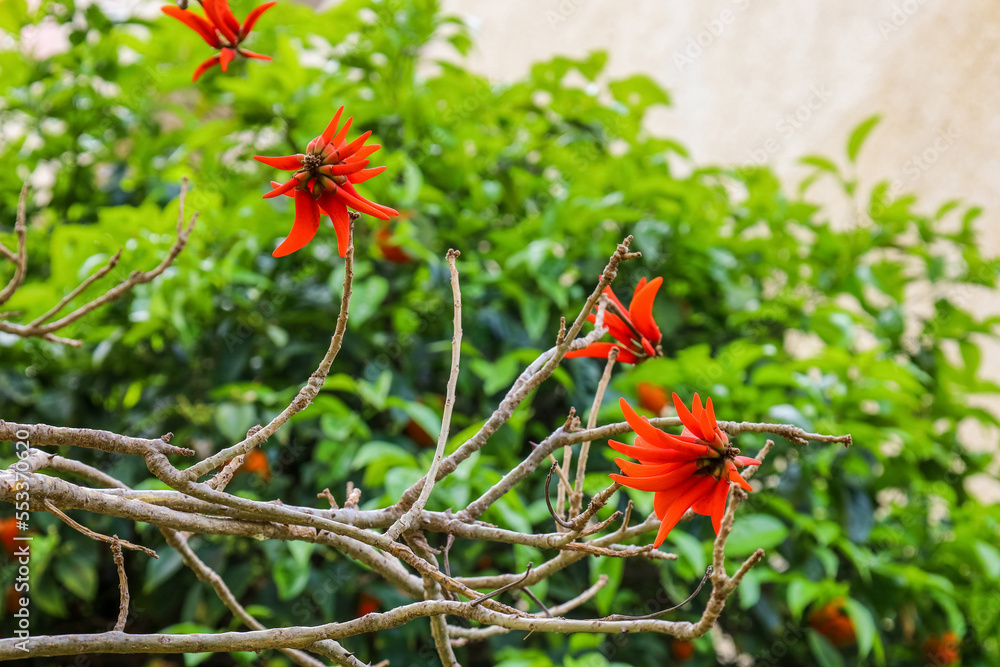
<point>990,558</point>
<point>864,625</point>
<point>755,531</point>
<point>824,652</point>
<point>13,15</point>
<point>821,163</point>
<point>859,134</point>
<point>78,574</point>
<point>799,594</point>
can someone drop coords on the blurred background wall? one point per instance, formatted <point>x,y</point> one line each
<point>769,82</point>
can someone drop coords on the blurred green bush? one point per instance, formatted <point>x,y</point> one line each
<point>770,306</point>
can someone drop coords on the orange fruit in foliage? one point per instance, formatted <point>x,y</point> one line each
<point>8,531</point>
<point>682,650</point>
<point>390,249</point>
<point>256,462</point>
<point>652,398</point>
<point>831,621</point>
<point>943,650</point>
<point>367,604</point>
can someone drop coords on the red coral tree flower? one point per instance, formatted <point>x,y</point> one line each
<point>833,622</point>
<point>690,470</point>
<point>323,182</point>
<point>633,327</point>
<point>220,30</point>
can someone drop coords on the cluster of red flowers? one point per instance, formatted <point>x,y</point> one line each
<point>324,181</point>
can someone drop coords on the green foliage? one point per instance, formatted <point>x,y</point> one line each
<point>772,308</point>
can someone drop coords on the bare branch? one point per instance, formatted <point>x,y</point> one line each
<point>430,478</point>
<point>116,552</point>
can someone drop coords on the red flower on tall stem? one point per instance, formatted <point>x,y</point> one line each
<point>220,30</point>
<point>690,470</point>
<point>633,327</point>
<point>323,182</point>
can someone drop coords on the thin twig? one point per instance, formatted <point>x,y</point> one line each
<point>513,584</point>
<point>116,553</point>
<point>95,536</point>
<point>662,612</point>
<point>581,464</point>
<point>430,479</point>
<point>21,258</point>
<point>548,501</point>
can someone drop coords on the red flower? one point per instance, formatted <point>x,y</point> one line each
<point>943,650</point>
<point>832,621</point>
<point>323,183</point>
<point>634,328</point>
<point>220,30</point>
<point>690,470</point>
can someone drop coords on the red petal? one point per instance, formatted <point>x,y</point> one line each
<point>642,283</point>
<point>225,57</point>
<point>337,211</point>
<point>340,136</point>
<point>276,184</point>
<point>365,174</point>
<point>258,56</point>
<point>364,152</point>
<point>343,169</point>
<point>252,17</point>
<point>218,12</point>
<point>734,476</point>
<point>391,212</point>
<point>195,22</point>
<point>634,470</point>
<point>305,226</point>
<point>613,298</point>
<point>688,419</point>
<point>205,66</point>
<point>710,410</point>
<point>353,147</point>
<point>331,129</point>
<point>286,162</point>
<point>719,495</point>
<point>361,205</point>
<point>649,454</point>
<point>664,482</point>
<point>295,181</point>
<point>601,351</point>
<point>696,408</point>
<point>641,310</point>
<point>655,436</point>
<point>746,461</point>
<point>684,499</point>
<point>616,327</point>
